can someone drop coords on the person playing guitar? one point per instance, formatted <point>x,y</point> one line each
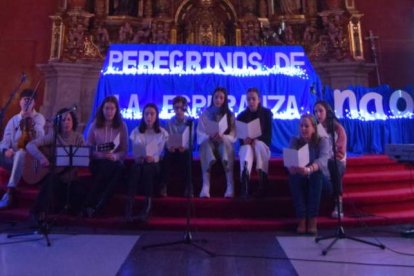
<point>55,182</point>
<point>20,129</point>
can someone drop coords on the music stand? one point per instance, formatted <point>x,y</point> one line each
<point>64,156</point>
<point>335,179</point>
<point>188,239</point>
<point>69,157</point>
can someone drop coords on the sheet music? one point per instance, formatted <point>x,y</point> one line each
<point>212,127</point>
<point>296,158</point>
<point>76,156</point>
<point>250,130</point>
<point>176,140</point>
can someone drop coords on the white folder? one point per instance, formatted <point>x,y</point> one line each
<point>212,127</point>
<point>250,130</point>
<point>177,140</point>
<point>296,158</point>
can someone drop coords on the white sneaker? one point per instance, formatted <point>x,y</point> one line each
<point>229,192</point>
<point>205,192</point>
<point>5,201</point>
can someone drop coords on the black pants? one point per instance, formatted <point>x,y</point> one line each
<point>146,174</point>
<point>171,160</point>
<point>55,194</point>
<point>336,171</point>
<point>106,176</point>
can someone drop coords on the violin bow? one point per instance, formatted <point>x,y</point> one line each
<point>29,102</point>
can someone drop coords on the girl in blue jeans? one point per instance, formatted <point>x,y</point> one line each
<point>306,182</point>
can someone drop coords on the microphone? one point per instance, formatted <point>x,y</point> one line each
<point>74,108</point>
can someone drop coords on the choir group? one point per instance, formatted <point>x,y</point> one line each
<point>155,152</point>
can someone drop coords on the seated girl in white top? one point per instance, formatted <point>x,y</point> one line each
<point>217,144</point>
<point>148,141</point>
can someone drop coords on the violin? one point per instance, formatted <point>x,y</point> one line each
<point>26,126</point>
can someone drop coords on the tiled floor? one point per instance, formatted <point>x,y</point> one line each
<point>87,251</point>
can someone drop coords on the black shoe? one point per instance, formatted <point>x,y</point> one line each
<point>188,192</point>
<point>38,217</point>
<point>89,212</point>
<point>244,189</point>
<point>260,192</point>
<point>143,216</point>
<point>146,211</point>
<point>163,190</point>
<point>129,209</point>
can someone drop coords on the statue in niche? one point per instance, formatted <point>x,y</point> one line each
<point>206,34</point>
<point>161,6</point>
<point>102,38</point>
<point>161,32</point>
<point>334,29</point>
<point>289,7</point>
<point>249,7</point>
<point>251,33</point>
<point>90,50</point>
<point>123,7</point>
<point>288,35</point>
<point>75,37</point>
<point>142,35</point>
<point>126,34</point>
<point>310,34</point>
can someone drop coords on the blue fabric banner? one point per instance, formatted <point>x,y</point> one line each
<point>374,116</point>
<point>138,74</point>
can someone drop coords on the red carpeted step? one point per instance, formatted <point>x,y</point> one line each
<point>378,181</point>
<point>377,190</point>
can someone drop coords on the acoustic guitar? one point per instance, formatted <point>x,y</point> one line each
<point>33,172</point>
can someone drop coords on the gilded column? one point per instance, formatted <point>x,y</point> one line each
<point>58,30</point>
<point>354,29</point>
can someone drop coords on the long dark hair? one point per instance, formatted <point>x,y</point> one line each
<point>100,118</point>
<point>330,114</point>
<point>60,117</point>
<point>143,126</point>
<point>224,109</point>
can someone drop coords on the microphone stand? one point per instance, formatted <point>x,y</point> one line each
<point>44,226</point>
<point>335,179</point>
<point>188,239</point>
<point>7,104</point>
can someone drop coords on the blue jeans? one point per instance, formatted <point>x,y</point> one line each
<point>306,193</point>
